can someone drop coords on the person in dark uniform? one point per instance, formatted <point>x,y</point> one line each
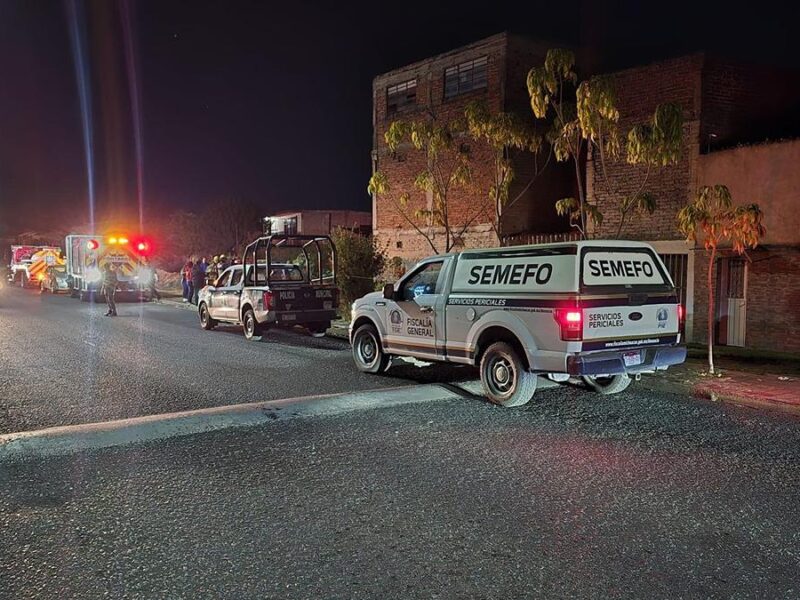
<point>110,288</point>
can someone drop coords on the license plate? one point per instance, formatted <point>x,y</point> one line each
<point>288,317</point>
<point>632,358</point>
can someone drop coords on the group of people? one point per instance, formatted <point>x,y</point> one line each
<point>197,273</point>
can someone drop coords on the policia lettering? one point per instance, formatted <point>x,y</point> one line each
<point>517,274</point>
<point>620,268</point>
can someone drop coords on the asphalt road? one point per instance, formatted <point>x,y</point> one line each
<point>643,495</point>
<point>63,363</point>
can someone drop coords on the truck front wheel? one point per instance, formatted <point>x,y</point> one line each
<point>206,322</point>
<point>505,379</point>
<point>367,351</point>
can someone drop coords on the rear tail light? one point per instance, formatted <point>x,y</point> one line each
<point>571,322</point>
<point>681,318</point>
<point>269,301</point>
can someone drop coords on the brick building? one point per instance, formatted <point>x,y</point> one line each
<point>724,105</point>
<point>492,70</point>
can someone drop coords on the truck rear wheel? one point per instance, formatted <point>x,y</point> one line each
<point>505,379</point>
<point>318,330</point>
<point>368,353</point>
<point>252,330</point>
<point>608,385</point>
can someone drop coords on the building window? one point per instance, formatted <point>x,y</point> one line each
<point>401,96</point>
<point>466,77</point>
<point>290,226</point>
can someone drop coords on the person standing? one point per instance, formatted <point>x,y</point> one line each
<point>198,279</point>
<point>186,280</point>
<point>109,288</point>
<point>154,295</point>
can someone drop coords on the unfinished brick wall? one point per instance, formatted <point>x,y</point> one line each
<point>509,59</point>
<point>639,91</point>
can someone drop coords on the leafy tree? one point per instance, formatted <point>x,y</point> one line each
<point>503,133</point>
<point>585,119</point>
<point>446,170</point>
<point>359,260</point>
<point>712,216</point>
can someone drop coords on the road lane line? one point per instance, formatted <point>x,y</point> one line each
<point>75,438</point>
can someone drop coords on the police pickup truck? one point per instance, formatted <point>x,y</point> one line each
<point>605,311</point>
<point>282,281</point>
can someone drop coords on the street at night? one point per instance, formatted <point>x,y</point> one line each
<point>458,301</point>
<point>647,494</point>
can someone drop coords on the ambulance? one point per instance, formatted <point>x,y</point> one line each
<point>29,263</point>
<point>87,256</point>
<point>603,311</point>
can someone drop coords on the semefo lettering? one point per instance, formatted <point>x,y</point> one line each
<point>516,274</point>
<point>620,268</point>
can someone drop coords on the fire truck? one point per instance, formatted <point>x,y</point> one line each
<point>29,263</point>
<point>88,255</point>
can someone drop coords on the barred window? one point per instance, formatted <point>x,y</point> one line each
<point>399,96</point>
<point>466,77</point>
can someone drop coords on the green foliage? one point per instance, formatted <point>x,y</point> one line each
<point>712,217</point>
<point>359,260</point>
<point>598,115</point>
<point>658,142</point>
<point>588,119</point>
<point>447,168</point>
<point>502,132</point>
<point>546,83</point>
<point>570,207</point>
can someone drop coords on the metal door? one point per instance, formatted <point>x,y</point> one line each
<point>732,302</point>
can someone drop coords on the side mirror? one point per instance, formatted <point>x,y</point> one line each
<point>388,291</point>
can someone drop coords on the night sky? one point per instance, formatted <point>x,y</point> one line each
<point>271,101</point>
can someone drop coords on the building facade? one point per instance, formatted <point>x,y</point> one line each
<point>724,105</point>
<point>726,109</point>
<point>494,72</point>
<point>318,222</point>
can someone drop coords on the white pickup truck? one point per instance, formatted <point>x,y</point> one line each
<point>601,310</point>
<point>268,290</point>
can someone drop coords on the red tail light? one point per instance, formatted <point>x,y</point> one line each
<point>681,318</point>
<point>269,301</point>
<point>571,322</point>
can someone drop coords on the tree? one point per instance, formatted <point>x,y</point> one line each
<point>359,261</point>
<point>446,170</point>
<point>712,215</point>
<point>585,120</point>
<point>503,133</point>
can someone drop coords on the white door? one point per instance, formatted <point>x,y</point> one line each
<point>411,328</point>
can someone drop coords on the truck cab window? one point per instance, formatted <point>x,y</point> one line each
<point>424,281</point>
<point>236,278</point>
<point>224,279</point>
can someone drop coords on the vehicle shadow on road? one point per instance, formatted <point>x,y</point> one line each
<point>288,337</point>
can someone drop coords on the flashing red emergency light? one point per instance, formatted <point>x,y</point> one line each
<point>571,322</point>
<point>92,244</point>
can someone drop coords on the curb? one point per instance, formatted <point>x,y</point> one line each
<point>700,390</point>
<point>75,438</point>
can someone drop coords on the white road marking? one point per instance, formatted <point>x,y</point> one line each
<point>75,438</point>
